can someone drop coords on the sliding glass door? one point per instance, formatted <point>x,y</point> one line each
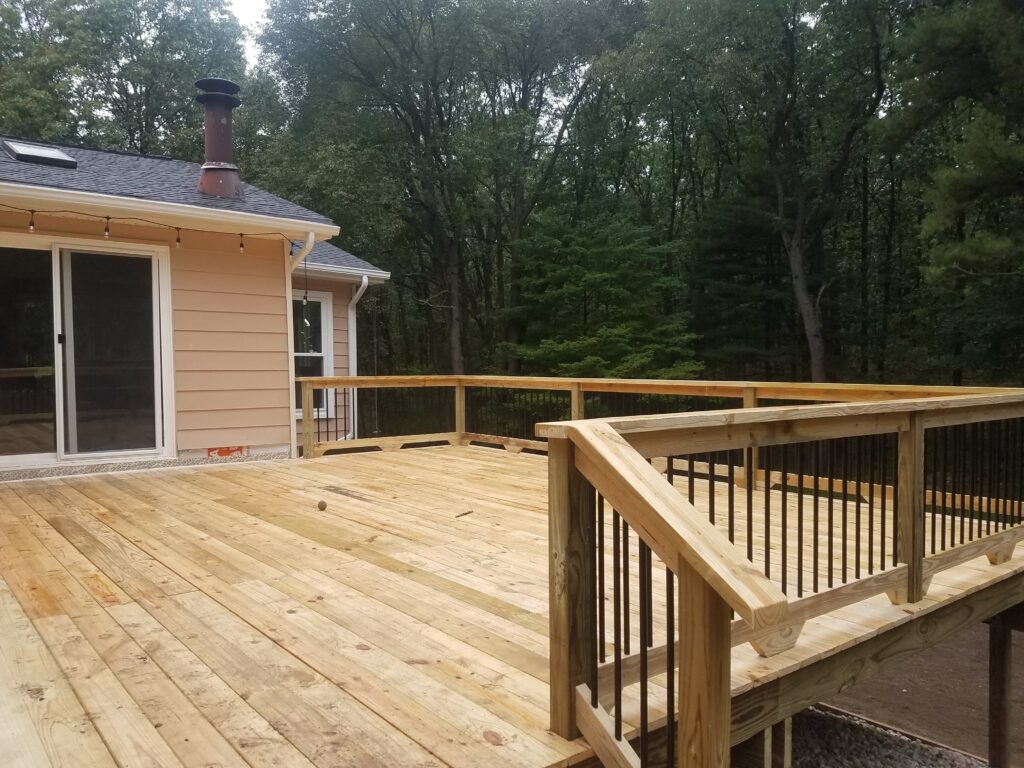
<point>110,353</point>
<point>27,402</point>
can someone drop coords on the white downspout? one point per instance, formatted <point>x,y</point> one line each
<point>307,246</point>
<point>352,366</point>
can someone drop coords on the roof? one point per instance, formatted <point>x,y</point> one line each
<point>335,259</point>
<point>143,177</point>
<point>326,254</point>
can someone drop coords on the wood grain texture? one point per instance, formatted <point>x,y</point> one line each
<point>704,670</point>
<point>407,624</point>
<point>672,527</point>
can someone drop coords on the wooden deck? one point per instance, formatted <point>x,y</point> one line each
<point>214,616</point>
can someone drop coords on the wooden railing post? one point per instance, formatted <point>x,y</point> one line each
<point>750,462</point>
<point>307,419</point>
<point>460,408</point>
<point>576,401</point>
<point>705,692</point>
<point>910,497</point>
<point>571,564</point>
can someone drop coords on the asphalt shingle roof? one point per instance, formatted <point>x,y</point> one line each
<point>327,255</point>
<point>145,178</point>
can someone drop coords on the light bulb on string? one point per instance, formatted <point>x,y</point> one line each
<point>32,221</point>
<point>241,243</point>
<point>177,239</point>
<point>106,228</point>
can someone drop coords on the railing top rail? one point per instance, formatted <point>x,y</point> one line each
<point>940,410</point>
<point>673,527</point>
<point>764,389</point>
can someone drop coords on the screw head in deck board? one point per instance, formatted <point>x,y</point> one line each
<point>321,505</point>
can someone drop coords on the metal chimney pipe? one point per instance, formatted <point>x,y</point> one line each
<point>219,175</point>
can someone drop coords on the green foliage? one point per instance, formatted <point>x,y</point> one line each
<point>593,288</point>
<point>725,188</point>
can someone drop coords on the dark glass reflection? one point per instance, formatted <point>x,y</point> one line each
<point>27,421</point>
<point>111,398</point>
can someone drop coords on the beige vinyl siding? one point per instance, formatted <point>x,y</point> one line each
<point>230,329</point>
<point>230,344</point>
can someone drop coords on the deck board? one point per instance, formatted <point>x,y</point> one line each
<point>214,615</point>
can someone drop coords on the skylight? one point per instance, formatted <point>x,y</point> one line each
<point>33,153</point>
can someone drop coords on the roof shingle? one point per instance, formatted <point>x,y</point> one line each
<point>144,177</point>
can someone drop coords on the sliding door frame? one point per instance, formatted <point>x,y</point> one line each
<point>163,346</point>
<point>163,365</point>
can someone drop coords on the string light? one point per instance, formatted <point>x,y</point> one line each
<point>241,243</point>
<point>136,220</point>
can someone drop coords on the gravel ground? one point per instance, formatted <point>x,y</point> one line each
<point>830,740</point>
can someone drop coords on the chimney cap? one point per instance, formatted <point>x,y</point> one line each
<point>217,85</point>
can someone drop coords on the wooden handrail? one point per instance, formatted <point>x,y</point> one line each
<point>795,423</point>
<point>672,527</point>
<point>765,390</point>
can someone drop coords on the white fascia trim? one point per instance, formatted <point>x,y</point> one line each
<point>352,274</point>
<point>247,223</point>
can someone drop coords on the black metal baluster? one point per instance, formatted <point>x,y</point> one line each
<point>931,458</point>
<point>816,543</point>
<point>895,499</point>
<point>749,479</point>
<point>800,519</point>
<point>858,446</point>
<point>617,622</point>
<point>670,470</point>
<point>731,480</point>
<point>645,612</point>
<point>986,478</point>
<point>975,506</point>
<point>785,518</point>
<point>845,507</point>
<point>670,668</point>
<point>831,511</point>
<point>944,475</point>
<point>766,464</point>
<point>1019,464</point>
<point>625,587</point>
<point>600,578</point>
<point>884,466</point>
<point>690,479</point>
<point>595,554</point>
<point>961,443</point>
<point>711,487</point>
<point>872,442</point>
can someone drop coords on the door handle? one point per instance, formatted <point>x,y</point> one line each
<point>60,338</point>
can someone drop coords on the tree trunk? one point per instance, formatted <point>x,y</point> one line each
<point>810,311</point>
<point>455,313</point>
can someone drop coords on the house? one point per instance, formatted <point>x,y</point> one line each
<point>154,309</point>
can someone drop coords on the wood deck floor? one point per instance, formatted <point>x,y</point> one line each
<point>214,616</point>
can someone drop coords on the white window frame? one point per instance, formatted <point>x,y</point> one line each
<point>326,299</point>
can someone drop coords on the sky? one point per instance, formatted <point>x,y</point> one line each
<point>250,13</point>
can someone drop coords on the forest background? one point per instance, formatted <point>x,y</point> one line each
<point>729,189</point>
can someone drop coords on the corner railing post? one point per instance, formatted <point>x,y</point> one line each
<point>460,408</point>
<point>572,596</point>
<point>705,691</point>
<point>307,419</point>
<point>750,458</point>
<point>910,509</point>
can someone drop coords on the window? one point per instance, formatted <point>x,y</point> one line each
<point>312,329</point>
<point>33,153</point>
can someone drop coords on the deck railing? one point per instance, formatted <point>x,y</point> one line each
<point>355,412</point>
<point>676,537</point>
